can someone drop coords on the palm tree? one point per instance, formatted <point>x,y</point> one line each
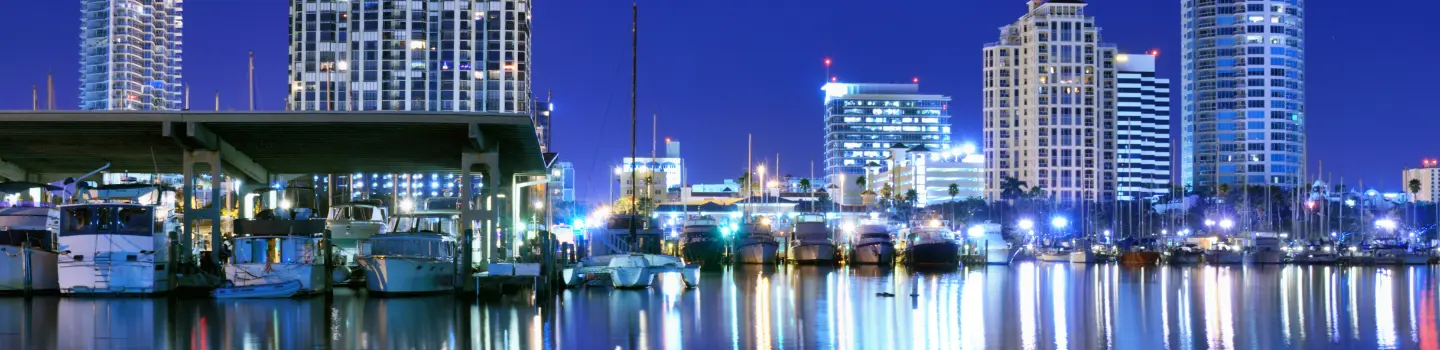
<point>805,185</point>
<point>911,196</point>
<point>1012,188</point>
<point>1414,186</point>
<point>886,191</point>
<point>953,190</point>
<point>860,181</point>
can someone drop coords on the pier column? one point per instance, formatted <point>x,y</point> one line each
<point>477,212</point>
<point>211,161</point>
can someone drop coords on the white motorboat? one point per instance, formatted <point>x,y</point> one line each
<point>986,241</point>
<point>759,245</point>
<point>1395,252</point>
<point>1184,254</point>
<point>876,245</point>
<point>930,243</point>
<point>1083,256</point>
<point>628,271</point>
<point>812,241</point>
<point>279,245</point>
<point>27,240</point>
<point>419,257</point>
<point>1266,249</point>
<point>1053,255</point>
<point>259,291</point>
<point>118,247</point>
<point>350,223</point>
<point>1314,253</point>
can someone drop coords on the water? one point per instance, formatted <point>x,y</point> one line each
<point>1030,306</point>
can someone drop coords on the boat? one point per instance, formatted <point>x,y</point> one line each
<point>1313,253</point>
<point>1053,254</point>
<point>1227,256</point>
<point>280,244</point>
<point>812,241</point>
<point>1084,252</point>
<point>702,242</point>
<point>987,244</point>
<point>930,243</point>
<point>876,245</point>
<point>27,239</point>
<point>419,256</point>
<point>1265,249</point>
<point>350,223</point>
<point>1138,251</point>
<point>615,237</point>
<point>1183,254</point>
<point>118,244</point>
<point>1396,252</point>
<point>629,271</point>
<point>259,291</point>
<point>758,245</point>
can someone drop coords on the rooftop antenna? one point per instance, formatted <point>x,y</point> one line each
<point>187,97</point>
<point>50,91</point>
<point>634,80</point>
<point>34,97</point>
<point>217,100</point>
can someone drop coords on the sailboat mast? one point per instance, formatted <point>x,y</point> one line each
<point>634,81</point>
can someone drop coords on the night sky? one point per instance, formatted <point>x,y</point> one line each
<point>716,70</point>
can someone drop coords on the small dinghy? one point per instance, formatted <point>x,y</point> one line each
<point>261,291</point>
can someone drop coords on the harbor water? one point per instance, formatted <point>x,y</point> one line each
<point>1027,306</point>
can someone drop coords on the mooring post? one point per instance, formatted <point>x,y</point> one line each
<point>327,259</point>
<point>26,266</point>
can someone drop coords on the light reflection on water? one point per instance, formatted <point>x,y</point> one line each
<point>1029,306</point>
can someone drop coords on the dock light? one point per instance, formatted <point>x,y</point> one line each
<point>538,205</point>
<point>725,231</point>
<point>1164,232</point>
<point>1026,224</point>
<point>407,205</point>
<point>734,227</point>
<point>1226,224</point>
<point>975,231</point>
<point>1284,235</point>
<point>1059,222</point>
<point>1327,249</point>
<point>1354,249</point>
<point>934,223</point>
<point>285,204</point>
<point>1332,234</point>
<point>1350,203</point>
<point>847,227</point>
<point>579,222</point>
<point>1107,233</point>
<point>1209,222</point>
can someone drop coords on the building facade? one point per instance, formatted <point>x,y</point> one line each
<point>1143,128</point>
<point>930,175</point>
<point>562,182</point>
<point>542,122</point>
<point>440,55</point>
<point>1050,105</point>
<point>1243,93</point>
<point>1429,176</point>
<point>130,55</point>
<point>655,177</point>
<point>863,120</point>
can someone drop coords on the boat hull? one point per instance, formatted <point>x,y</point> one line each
<point>703,253</point>
<point>1140,258</point>
<point>759,253</point>
<point>934,254</point>
<point>875,254</point>
<point>1083,257</point>
<point>42,265</point>
<point>259,291</point>
<point>1224,258</point>
<point>310,277</point>
<point>1184,259</point>
<point>1314,259</point>
<point>1264,257</point>
<point>815,254</point>
<point>407,275</point>
<point>111,277</point>
<point>1053,257</point>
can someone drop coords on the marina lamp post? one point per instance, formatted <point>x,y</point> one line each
<point>1028,226</point>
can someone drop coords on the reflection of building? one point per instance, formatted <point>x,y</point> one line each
<point>930,174</point>
<point>130,55</point>
<point>1429,176</point>
<point>863,120</point>
<point>1143,111</point>
<point>1050,104</point>
<point>542,122</point>
<point>441,55</point>
<point>1243,89</point>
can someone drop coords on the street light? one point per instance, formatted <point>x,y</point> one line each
<point>1059,222</point>
<point>1387,224</point>
<point>1026,224</point>
<point>1226,224</point>
<point>1209,222</point>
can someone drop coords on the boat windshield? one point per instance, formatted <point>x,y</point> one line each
<point>437,223</point>
<point>875,235</point>
<point>809,218</point>
<point>412,247</point>
<point>700,222</point>
<point>351,212</point>
<point>101,219</point>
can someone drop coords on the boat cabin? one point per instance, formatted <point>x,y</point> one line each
<point>427,245</point>
<point>359,212</point>
<point>433,221</point>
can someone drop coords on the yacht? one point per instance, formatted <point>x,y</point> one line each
<point>930,244</point>
<point>1084,252</point>
<point>701,242</point>
<point>758,245</point>
<point>615,237</point>
<point>418,256</point>
<point>352,222</point>
<point>876,245</point>
<point>1133,251</point>
<point>1183,254</point>
<point>279,245</point>
<point>811,241</point>
<point>1267,249</point>
<point>27,239</point>
<point>1396,252</point>
<point>118,244</point>
<point>1313,253</point>
<point>985,240</point>
<point>1225,255</point>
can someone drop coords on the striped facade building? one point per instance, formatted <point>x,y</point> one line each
<point>1142,128</point>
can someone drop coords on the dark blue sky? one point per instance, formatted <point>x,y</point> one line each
<point>716,70</point>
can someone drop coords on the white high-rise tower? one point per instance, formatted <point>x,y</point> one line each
<point>130,54</point>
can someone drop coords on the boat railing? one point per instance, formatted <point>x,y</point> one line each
<point>410,248</point>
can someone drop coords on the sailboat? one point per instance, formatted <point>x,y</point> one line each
<point>632,269</point>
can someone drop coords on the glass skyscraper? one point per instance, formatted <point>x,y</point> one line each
<point>130,55</point>
<point>863,121</point>
<point>1243,103</point>
<point>434,55</point>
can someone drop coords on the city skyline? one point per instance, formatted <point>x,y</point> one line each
<point>782,123</point>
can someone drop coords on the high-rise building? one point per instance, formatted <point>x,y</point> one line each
<point>1429,177</point>
<point>1050,105</point>
<point>862,121</point>
<point>434,55</point>
<point>542,122</point>
<point>930,174</point>
<point>1243,97</point>
<point>130,54</point>
<point>562,182</point>
<point>1143,128</point>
